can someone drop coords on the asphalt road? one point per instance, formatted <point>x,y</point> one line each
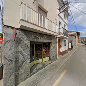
<point>1,82</point>
<point>74,74</point>
<point>71,73</point>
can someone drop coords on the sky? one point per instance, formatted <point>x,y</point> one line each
<point>77,21</point>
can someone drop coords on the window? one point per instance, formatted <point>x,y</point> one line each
<point>64,16</point>
<point>64,42</point>
<point>64,26</point>
<point>59,24</point>
<point>43,15</point>
<point>42,11</point>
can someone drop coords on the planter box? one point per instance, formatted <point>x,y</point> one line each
<point>46,59</point>
<point>40,60</point>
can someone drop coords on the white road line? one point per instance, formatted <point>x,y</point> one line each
<point>59,79</point>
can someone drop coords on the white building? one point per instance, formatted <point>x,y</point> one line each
<point>63,27</point>
<point>1,14</point>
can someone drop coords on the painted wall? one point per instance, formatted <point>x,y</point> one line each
<point>61,17</point>
<point>63,48</point>
<point>11,13</point>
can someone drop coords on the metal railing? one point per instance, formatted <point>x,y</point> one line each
<point>29,15</point>
<point>60,32</point>
<point>65,32</point>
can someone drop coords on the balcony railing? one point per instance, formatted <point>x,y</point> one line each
<point>65,32</point>
<point>60,32</point>
<point>31,16</point>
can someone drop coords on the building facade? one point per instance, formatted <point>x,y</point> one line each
<point>73,39</point>
<point>30,31</point>
<point>63,27</point>
<point>83,40</point>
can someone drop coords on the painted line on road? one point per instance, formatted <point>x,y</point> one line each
<point>65,71</point>
<point>60,78</point>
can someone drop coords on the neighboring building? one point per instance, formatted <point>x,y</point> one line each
<point>1,39</point>
<point>73,39</point>
<point>30,32</point>
<point>1,14</point>
<point>78,38</point>
<point>1,35</point>
<point>83,40</point>
<point>62,20</point>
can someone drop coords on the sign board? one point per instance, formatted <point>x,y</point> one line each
<point>1,38</point>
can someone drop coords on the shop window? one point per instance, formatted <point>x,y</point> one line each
<point>38,51</point>
<point>0,8</point>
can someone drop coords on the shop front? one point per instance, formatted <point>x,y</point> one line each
<point>39,52</point>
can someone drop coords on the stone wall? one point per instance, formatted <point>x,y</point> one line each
<point>17,54</point>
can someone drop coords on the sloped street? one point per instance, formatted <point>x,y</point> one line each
<point>71,73</point>
<point>75,72</point>
<point>49,76</point>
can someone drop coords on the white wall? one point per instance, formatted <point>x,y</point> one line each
<point>63,21</point>
<point>63,48</point>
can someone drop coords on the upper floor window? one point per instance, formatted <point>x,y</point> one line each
<point>64,16</point>
<point>64,26</point>
<point>59,24</point>
<point>43,15</point>
<point>42,11</point>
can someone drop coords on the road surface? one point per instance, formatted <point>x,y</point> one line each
<point>74,74</point>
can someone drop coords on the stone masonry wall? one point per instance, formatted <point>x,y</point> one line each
<point>17,54</point>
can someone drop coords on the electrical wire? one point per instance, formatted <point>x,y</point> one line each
<point>73,20</point>
<point>72,15</point>
<point>78,1</point>
<point>78,9</point>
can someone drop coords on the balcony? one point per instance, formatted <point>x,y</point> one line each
<point>62,34</point>
<point>34,21</point>
<point>65,32</point>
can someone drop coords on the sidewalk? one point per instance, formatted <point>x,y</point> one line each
<point>45,76</point>
<point>1,82</point>
<point>68,54</point>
